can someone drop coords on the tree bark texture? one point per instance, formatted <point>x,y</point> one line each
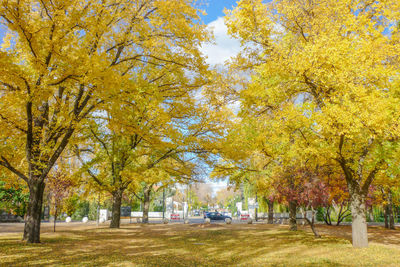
<point>116,209</point>
<point>390,210</point>
<point>55,217</point>
<point>292,216</point>
<point>270,211</point>
<point>359,224</point>
<point>146,204</point>
<point>34,211</point>
<point>358,191</point>
<point>386,215</point>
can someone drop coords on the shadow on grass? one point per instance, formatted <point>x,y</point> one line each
<point>176,245</point>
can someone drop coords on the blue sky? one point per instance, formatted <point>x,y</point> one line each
<point>224,46</point>
<point>215,9</point>
<point>222,50</point>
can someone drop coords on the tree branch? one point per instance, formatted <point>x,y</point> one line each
<point>13,123</point>
<point>141,199</point>
<point>371,176</point>
<point>4,162</point>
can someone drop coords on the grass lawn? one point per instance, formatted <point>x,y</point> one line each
<point>200,245</point>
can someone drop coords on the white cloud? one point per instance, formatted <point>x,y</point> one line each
<point>224,48</point>
<point>216,186</point>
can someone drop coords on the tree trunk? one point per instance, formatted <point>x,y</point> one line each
<point>55,218</point>
<point>327,216</point>
<point>371,214</point>
<point>386,215</point>
<point>116,209</point>
<point>342,214</point>
<point>390,210</point>
<point>292,216</point>
<point>311,222</point>
<point>270,211</point>
<point>146,204</point>
<point>359,224</point>
<point>34,211</point>
<point>312,225</point>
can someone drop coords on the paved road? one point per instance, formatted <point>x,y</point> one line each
<point>48,226</point>
<point>9,228</point>
<point>191,220</point>
<point>45,226</point>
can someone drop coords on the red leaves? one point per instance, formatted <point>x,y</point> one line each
<point>303,187</point>
<point>59,185</point>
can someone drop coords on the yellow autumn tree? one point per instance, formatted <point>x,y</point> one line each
<point>146,154</point>
<point>333,62</point>
<point>63,60</point>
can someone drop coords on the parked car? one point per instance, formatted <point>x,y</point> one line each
<point>216,216</point>
<point>206,214</point>
<point>227,214</point>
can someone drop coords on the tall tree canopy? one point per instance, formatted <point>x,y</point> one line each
<point>63,60</point>
<point>330,70</point>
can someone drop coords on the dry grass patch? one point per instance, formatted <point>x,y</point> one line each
<point>195,245</point>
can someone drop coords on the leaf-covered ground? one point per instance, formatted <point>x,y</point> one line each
<point>200,245</point>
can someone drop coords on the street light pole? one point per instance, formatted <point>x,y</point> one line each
<point>256,208</point>
<point>163,203</point>
<point>187,200</point>
<point>98,210</point>
<point>183,206</point>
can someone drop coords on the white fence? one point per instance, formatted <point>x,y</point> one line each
<point>154,214</point>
